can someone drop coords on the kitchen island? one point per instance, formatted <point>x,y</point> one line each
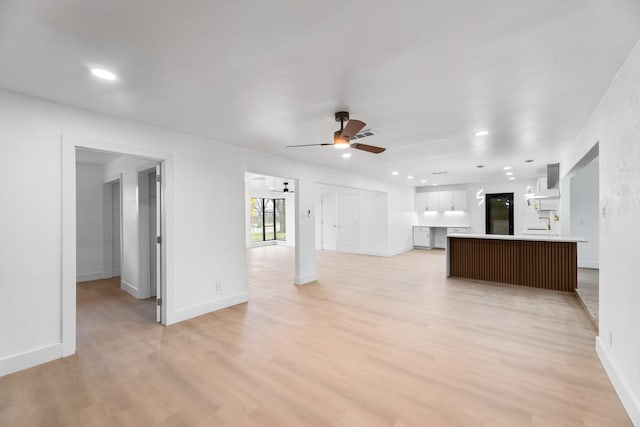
<point>538,261</point>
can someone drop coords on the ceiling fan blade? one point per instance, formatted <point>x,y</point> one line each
<point>368,148</point>
<point>308,145</point>
<point>352,128</point>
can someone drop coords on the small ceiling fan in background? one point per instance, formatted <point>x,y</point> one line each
<point>342,137</point>
<point>285,189</point>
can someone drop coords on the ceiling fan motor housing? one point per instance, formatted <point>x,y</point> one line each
<point>342,116</point>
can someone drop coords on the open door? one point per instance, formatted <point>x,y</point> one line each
<point>158,233</point>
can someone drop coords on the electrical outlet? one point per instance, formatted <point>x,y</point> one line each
<point>218,286</point>
<point>610,338</point>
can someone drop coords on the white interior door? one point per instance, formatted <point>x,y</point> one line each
<point>158,258</point>
<point>347,236</point>
<point>329,222</point>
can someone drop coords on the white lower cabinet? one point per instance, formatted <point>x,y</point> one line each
<point>422,237</point>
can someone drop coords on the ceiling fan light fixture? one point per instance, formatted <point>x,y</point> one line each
<point>339,141</point>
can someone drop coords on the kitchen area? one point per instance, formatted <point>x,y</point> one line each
<point>506,232</point>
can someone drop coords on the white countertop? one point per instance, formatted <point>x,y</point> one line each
<point>531,237</point>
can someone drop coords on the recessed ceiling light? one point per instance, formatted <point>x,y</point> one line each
<point>422,181</point>
<point>511,178</point>
<point>529,161</point>
<point>509,173</point>
<point>482,133</point>
<point>103,74</point>
<point>346,155</point>
<point>435,183</point>
<point>410,177</point>
<point>507,168</point>
<point>395,173</point>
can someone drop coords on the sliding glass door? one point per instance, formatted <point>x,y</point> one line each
<point>268,220</point>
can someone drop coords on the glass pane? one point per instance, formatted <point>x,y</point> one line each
<point>499,215</point>
<point>256,206</point>
<point>281,220</point>
<point>269,220</point>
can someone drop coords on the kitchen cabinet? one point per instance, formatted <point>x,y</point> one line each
<point>433,201</point>
<point>422,237</point>
<point>421,202</point>
<point>441,201</point>
<point>459,200</point>
<point>446,200</point>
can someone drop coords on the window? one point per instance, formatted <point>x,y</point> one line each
<point>268,219</point>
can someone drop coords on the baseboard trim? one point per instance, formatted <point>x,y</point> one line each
<point>129,288</point>
<point>629,400</point>
<point>86,277</point>
<point>207,307</point>
<point>305,280</point>
<point>399,251</point>
<point>28,359</point>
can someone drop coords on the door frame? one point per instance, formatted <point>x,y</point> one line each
<point>69,144</point>
<point>487,205</point>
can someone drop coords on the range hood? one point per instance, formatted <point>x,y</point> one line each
<point>548,186</point>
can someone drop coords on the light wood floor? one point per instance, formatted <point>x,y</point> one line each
<point>376,342</point>
<point>588,289</point>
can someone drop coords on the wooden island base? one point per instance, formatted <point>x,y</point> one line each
<point>533,261</point>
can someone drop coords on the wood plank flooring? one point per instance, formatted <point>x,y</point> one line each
<point>588,291</point>
<point>375,342</point>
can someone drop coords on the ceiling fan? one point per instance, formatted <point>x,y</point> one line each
<point>342,137</point>
<point>285,189</point>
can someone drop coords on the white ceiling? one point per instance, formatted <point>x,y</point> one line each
<point>423,74</point>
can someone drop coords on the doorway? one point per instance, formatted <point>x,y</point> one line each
<point>118,219</point>
<point>499,213</point>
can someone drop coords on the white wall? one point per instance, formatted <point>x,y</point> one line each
<point>584,199</point>
<point>205,241</point>
<point>400,203</point>
<point>615,124</point>
<point>523,214</point>
<point>89,222</point>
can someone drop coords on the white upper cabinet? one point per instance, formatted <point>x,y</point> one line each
<point>421,202</point>
<point>440,201</point>
<point>459,202</point>
<point>433,201</point>
<point>446,200</point>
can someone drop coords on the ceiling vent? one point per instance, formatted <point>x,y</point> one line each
<point>363,134</point>
<point>439,173</point>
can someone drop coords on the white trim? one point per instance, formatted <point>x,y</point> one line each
<point>129,288</point>
<point>87,277</point>
<point>208,307</point>
<point>28,359</point>
<point>629,400</point>
<point>68,303</point>
<point>305,280</point>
